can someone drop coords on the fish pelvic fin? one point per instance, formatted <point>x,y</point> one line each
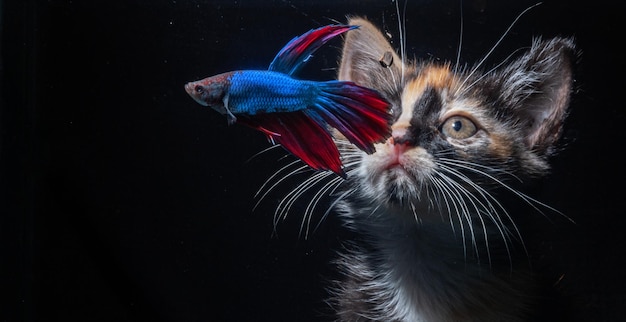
<point>361,114</point>
<point>298,51</point>
<point>301,136</point>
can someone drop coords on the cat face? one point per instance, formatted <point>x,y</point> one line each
<point>454,129</point>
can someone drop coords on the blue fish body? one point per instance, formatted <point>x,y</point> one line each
<point>298,113</point>
<point>253,92</point>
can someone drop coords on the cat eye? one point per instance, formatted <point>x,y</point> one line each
<point>458,127</point>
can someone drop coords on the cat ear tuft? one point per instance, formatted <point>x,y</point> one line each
<point>368,59</point>
<point>537,86</point>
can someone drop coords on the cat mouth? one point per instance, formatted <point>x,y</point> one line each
<point>395,173</point>
<point>396,169</point>
<point>396,158</point>
<point>403,167</point>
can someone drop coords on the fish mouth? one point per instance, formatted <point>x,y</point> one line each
<point>190,89</point>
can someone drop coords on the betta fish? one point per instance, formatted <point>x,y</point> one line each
<point>297,113</point>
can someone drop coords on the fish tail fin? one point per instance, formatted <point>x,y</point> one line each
<point>301,136</point>
<point>359,113</point>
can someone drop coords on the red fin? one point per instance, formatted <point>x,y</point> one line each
<point>359,113</point>
<point>291,57</point>
<point>300,135</point>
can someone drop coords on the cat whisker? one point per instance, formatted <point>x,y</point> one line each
<point>487,208</point>
<point>271,147</point>
<point>486,195</point>
<point>373,212</point>
<point>348,154</point>
<point>506,32</point>
<point>334,203</point>
<point>328,188</point>
<point>534,203</point>
<point>289,200</point>
<point>441,187</point>
<point>434,198</point>
<point>469,87</point>
<point>450,165</point>
<point>504,231</point>
<point>446,194</point>
<point>473,165</point>
<point>458,52</point>
<point>394,82</point>
<point>402,32</point>
<point>413,209</point>
<point>351,158</point>
<point>277,182</point>
<point>462,191</point>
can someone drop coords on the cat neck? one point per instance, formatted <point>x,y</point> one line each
<point>426,236</point>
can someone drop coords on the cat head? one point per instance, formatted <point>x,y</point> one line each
<point>456,125</point>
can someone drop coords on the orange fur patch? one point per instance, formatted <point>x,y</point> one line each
<point>438,77</point>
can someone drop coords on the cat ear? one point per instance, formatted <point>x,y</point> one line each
<point>537,86</point>
<point>368,59</point>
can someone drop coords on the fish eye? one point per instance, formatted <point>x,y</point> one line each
<point>199,89</point>
<point>458,127</point>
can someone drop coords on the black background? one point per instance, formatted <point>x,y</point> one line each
<point>124,200</point>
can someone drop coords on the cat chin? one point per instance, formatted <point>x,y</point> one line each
<point>392,185</point>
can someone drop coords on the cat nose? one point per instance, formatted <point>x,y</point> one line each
<point>401,134</point>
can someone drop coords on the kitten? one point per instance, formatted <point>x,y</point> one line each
<point>433,241</point>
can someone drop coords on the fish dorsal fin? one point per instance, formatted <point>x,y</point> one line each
<point>298,51</point>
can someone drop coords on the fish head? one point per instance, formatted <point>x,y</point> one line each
<point>210,91</point>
